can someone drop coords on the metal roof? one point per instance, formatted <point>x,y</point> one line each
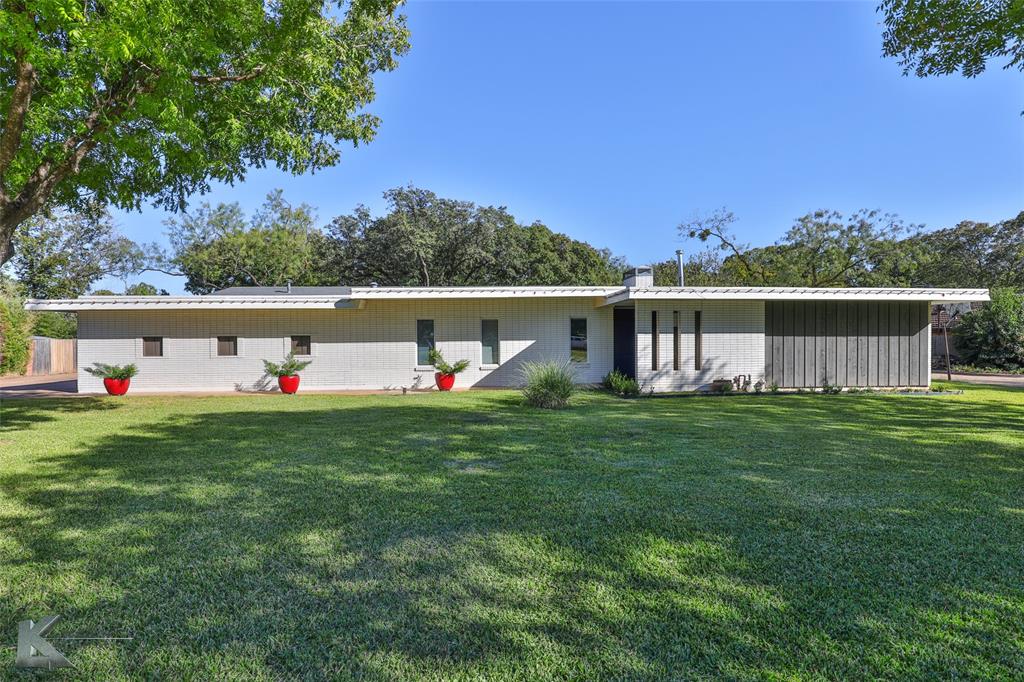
<point>283,291</point>
<point>799,294</point>
<point>404,293</point>
<point>302,297</point>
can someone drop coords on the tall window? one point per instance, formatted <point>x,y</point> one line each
<point>227,345</point>
<point>489,352</point>
<point>152,346</point>
<point>675,340</point>
<point>697,344</point>
<point>301,345</point>
<point>654,340</point>
<point>424,341</point>
<point>578,339</point>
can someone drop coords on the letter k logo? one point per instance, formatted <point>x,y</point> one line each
<point>33,650</point>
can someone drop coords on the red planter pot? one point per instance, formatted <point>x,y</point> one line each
<point>288,384</point>
<point>444,381</point>
<point>116,386</point>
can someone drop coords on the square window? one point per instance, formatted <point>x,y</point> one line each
<point>152,346</point>
<point>227,345</point>
<point>301,345</point>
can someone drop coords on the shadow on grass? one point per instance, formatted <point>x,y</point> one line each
<point>847,536</point>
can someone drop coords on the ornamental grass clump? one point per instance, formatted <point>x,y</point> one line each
<point>549,385</point>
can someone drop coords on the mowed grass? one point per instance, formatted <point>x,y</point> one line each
<point>466,536</point>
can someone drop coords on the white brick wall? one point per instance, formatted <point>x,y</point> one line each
<point>732,342</point>
<point>369,348</point>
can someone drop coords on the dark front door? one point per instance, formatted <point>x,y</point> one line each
<point>625,341</point>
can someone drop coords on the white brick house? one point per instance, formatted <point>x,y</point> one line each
<point>376,338</point>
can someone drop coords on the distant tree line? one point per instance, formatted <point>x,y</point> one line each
<point>422,239</point>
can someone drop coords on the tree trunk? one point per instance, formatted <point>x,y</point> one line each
<point>7,228</point>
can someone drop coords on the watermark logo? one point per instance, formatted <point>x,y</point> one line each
<point>33,649</point>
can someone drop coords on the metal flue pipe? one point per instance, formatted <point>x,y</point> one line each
<point>681,280</point>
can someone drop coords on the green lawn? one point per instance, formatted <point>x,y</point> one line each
<point>466,536</point>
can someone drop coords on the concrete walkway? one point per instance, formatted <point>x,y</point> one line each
<point>1007,381</point>
<point>45,386</point>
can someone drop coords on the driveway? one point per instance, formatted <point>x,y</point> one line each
<point>43,386</point>
<point>1007,380</point>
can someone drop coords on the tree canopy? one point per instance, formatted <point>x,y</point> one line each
<point>116,102</point>
<point>972,254</point>
<point>423,240</point>
<point>426,240</point>
<point>63,255</point>
<point>939,37</point>
<point>215,247</point>
<point>821,249</point>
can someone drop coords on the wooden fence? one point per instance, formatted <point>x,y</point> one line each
<point>52,356</point>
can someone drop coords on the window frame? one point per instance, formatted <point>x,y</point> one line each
<point>142,347</point>
<point>496,348</point>
<point>698,341</point>
<point>291,345</point>
<point>216,344</point>
<point>432,343</point>
<point>586,340</point>
<point>655,350</point>
<point>676,342</point>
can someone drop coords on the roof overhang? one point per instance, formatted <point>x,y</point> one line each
<point>602,296</point>
<point>191,303</point>
<point>796,294</point>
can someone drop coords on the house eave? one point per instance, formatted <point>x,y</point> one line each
<point>931,295</point>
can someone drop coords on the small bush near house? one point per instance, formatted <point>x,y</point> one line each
<point>993,335</point>
<point>548,384</point>
<point>112,371</point>
<point>621,385</point>
<point>721,386</point>
<point>831,389</point>
<point>16,330</point>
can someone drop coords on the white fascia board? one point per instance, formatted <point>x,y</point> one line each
<point>189,303</point>
<point>800,294</point>
<point>408,293</point>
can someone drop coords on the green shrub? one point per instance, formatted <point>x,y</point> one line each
<point>621,385</point>
<point>16,330</point>
<point>993,335</point>
<point>55,325</point>
<point>548,384</point>
<point>289,367</point>
<point>721,386</point>
<point>442,366</point>
<point>112,371</point>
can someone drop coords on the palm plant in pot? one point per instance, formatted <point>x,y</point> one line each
<point>287,372</point>
<point>116,378</point>
<point>444,377</point>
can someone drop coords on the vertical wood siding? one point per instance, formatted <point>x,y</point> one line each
<point>846,343</point>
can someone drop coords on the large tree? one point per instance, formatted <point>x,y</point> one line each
<point>114,102</point>
<point>938,37</point>
<point>215,247</point>
<point>822,249</point>
<point>62,255</point>
<point>973,254</point>
<point>426,240</point>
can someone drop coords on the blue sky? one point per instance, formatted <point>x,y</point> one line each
<point>613,122</point>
